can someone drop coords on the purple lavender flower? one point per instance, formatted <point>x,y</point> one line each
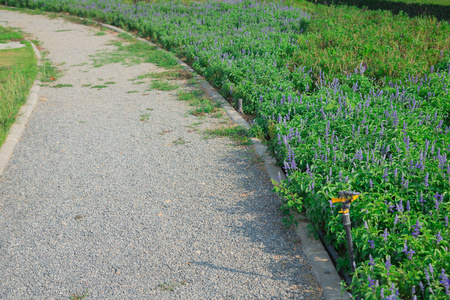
<point>427,275</point>
<point>396,219</point>
<point>385,235</point>
<point>416,229</point>
<point>388,265</point>
<point>372,244</point>
<point>408,207</point>
<point>385,175</point>
<point>421,286</point>
<point>445,281</point>
<point>371,262</point>
<point>410,253</point>
<point>425,181</point>
<point>371,282</point>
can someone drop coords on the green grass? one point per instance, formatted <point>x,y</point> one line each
<point>61,85</point>
<point>202,105</point>
<point>180,141</point>
<point>8,34</point>
<point>144,117</point>
<point>132,92</point>
<point>171,75</point>
<point>340,38</point>
<point>163,85</point>
<point>130,52</point>
<point>170,286</point>
<point>47,71</point>
<point>99,86</point>
<point>235,132</point>
<point>18,69</point>
<point>79,297</point>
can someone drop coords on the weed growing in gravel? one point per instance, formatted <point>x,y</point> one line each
<point>63,30</point>
<point>235,132</point>
<point>170,286</point>
<point>110,82</point>
<point>100,33</point>
<point>203,105</point>
<point>144,117</point>
<point>180,141</point>
<point>134,53</point>
<point>86,85</point>
<point>101,86</point>
<point>164,132</point>
<point>163,85</point>
<point>79,297</point>
<point>47,71</point>
<point>61,85</point>
<point>133,91</point>
<point>171,75</point>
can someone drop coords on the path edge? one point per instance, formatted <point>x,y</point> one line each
<point>318,257</point>
<point>16,130</point>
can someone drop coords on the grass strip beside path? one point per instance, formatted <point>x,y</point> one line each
<point>18,69</point>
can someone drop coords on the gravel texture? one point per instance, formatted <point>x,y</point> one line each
<point>97,197</point>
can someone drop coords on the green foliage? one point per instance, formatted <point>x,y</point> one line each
<point>17,72</point>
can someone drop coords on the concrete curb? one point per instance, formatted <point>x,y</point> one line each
<point>24,114</point>
<point>320,261</point>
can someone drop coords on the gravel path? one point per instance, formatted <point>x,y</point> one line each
<point>97,199</point>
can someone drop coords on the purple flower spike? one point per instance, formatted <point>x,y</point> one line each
<point>421,286</point>
<point>388,265</point>
<point>416,229</point>
<point>385,235</point>
<point>425,181</point>
<point>372,244</point>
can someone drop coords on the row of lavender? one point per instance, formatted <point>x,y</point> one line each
<point>390,143</point>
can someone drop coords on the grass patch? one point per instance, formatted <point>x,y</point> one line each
<point>235,132</point>
<point>100,33</point>
<point>8,34</point>
<point>170,286</point>
<point>202,105</point>
<point>133,91</point>
<point>17,72</point>
<point>63,30</point>
<point>47,71</point>
<point>180,141</point>
<point>133,53</point>
<point>61,85</point>
<point>163,86</point>
<point>79,297</point>
<point>171,75</point>
<point>110,82</point>
<point>86,85</point>
<point>144,117</point>
<point>99,86</point>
